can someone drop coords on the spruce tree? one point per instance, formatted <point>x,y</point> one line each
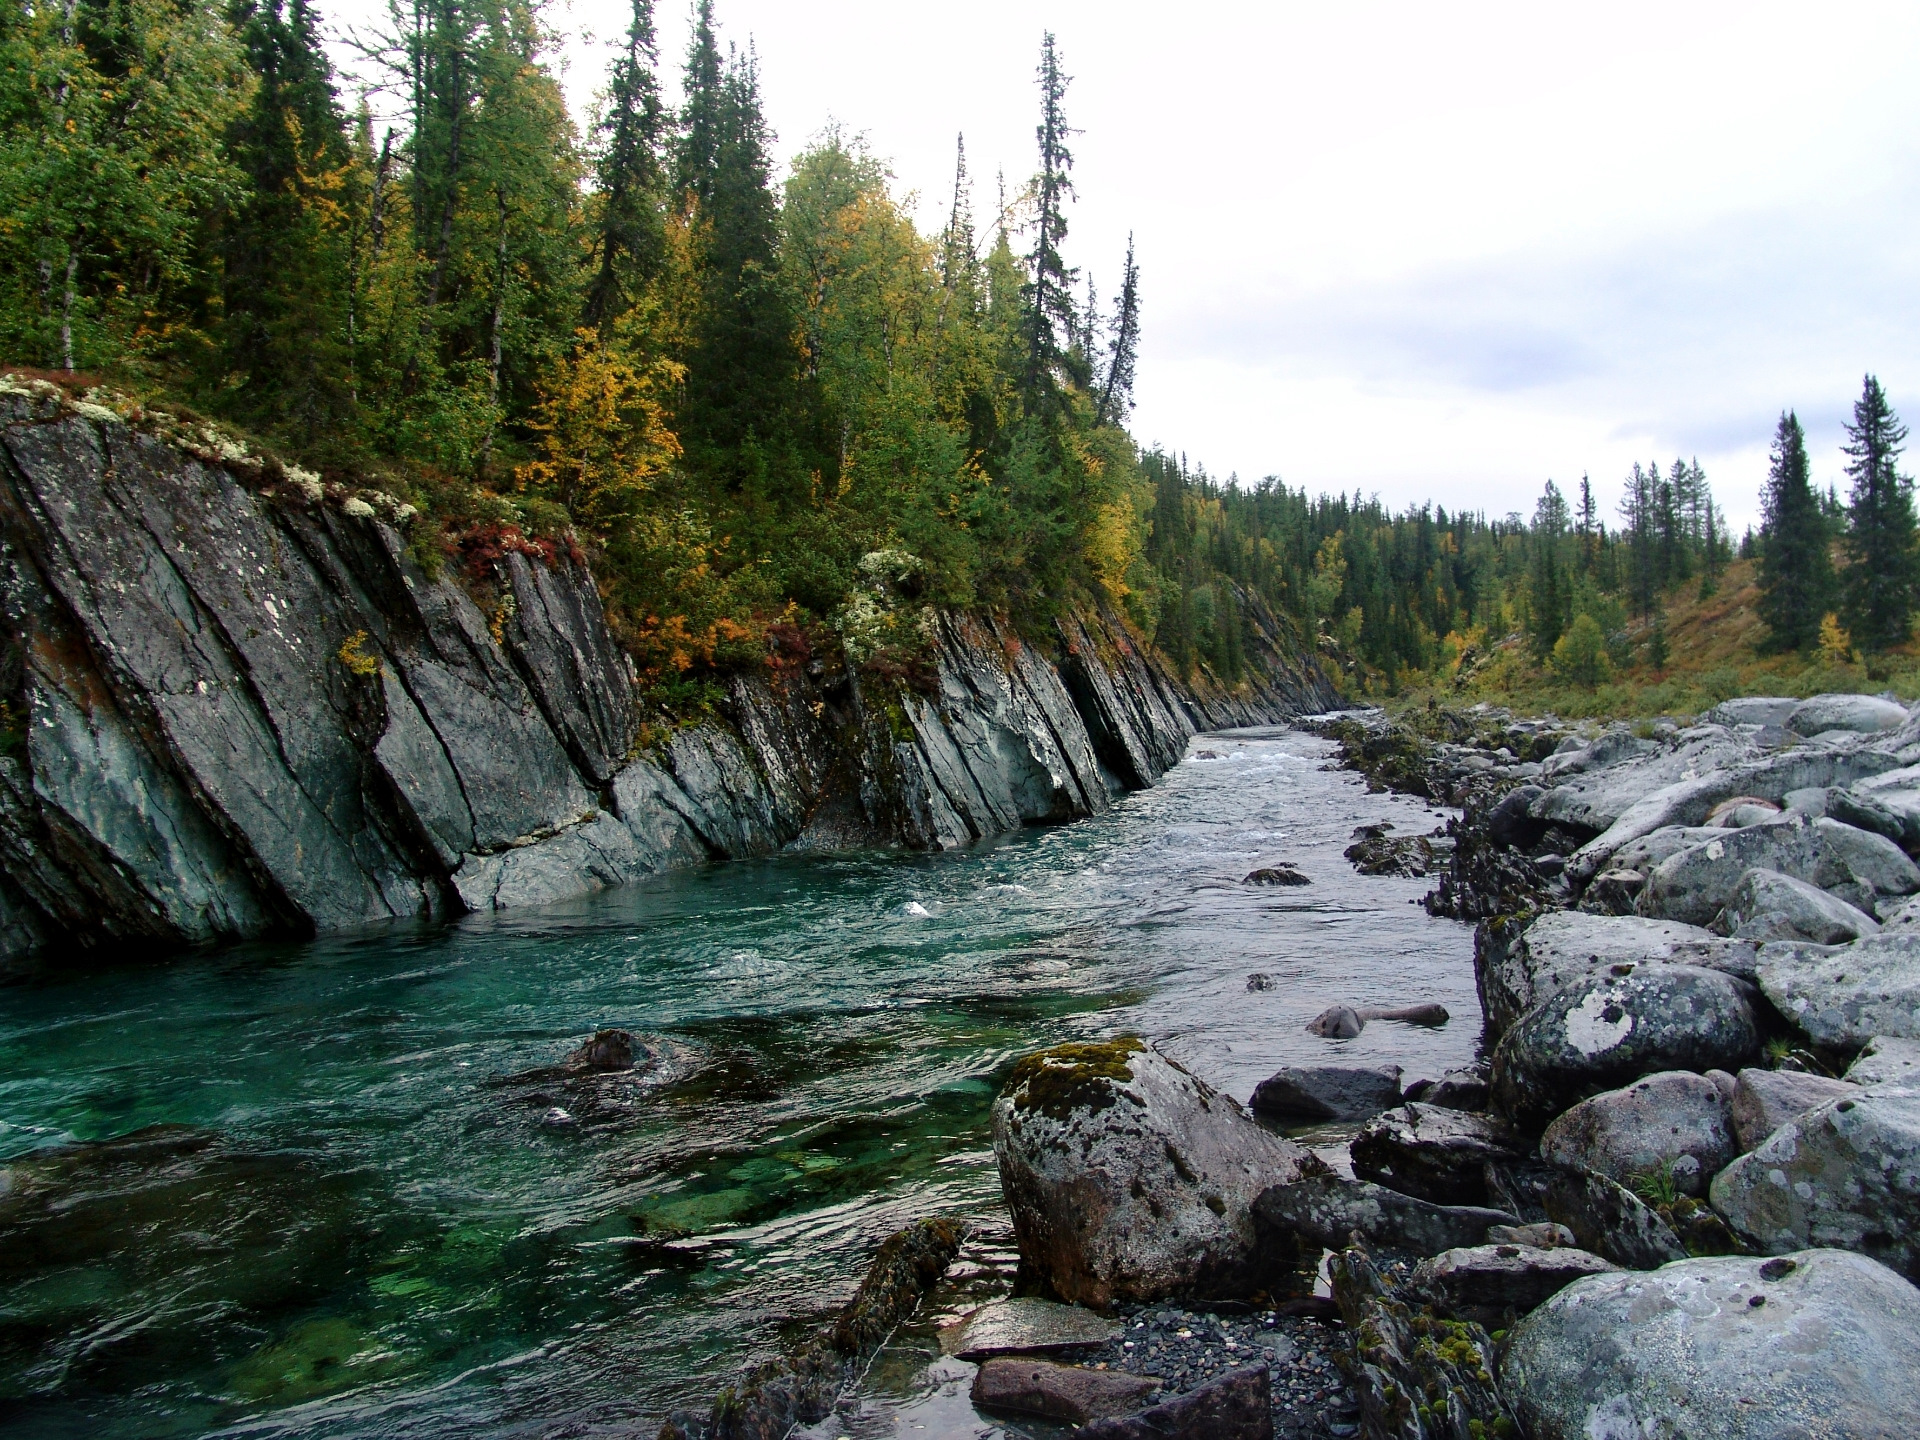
<point>631,239</point>
<point>1552,592</point>
<point>1795,575</point>
<point>1049,308</point>
<point>1880,580</point>
<point>1116,391</point>
<point>704,84</point>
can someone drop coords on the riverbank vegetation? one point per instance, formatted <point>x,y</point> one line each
<point>743,391</point>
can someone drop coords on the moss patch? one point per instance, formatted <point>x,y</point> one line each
<point>1080,1076</point>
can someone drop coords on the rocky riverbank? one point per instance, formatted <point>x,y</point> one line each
<point>237,700</point>
<point>1678,1196</point>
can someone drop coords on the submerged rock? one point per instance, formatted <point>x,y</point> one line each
<point>1130,1179</point>
<point>1277,875</point>
<point>1343,1022</point>
<point>1328,1092</point>
<point>1764,1100</point>
<point>1821,1343</point>
<point>1325,1210</point>
<point>1674,1125</point>
<point>1488,1283</point>
<point>1613,1027</point>
<point>1433,1152</point>
<point>1844,1175</point>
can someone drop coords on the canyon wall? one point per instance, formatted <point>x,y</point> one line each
<point>236,705</point>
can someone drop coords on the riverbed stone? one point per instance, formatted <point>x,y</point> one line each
<point>1237,1406</point>
<point>1608,1219</point>
<point>1325,1209</point>
<point>1845,995</point>
<point>1432,1152</point>
<point>1863,714</point>
<point>1860,867</point>
<point>1328,1092</point>
<point>1764,1100</point>
<point>1612,1027</point>
<point>1129,1179</point>
<point>1457,1090</point>
<point>1767,905</point>
<point>1845,1175</point>
<point>1487,1283</point>
<point>1058,1392</point>
<point>1817,1344</point>
<point>1028,1325</point>
<point>1675,1123</point>
<point>1517,964</point>
<point>1753,710</point>
<point>1887,1059</point>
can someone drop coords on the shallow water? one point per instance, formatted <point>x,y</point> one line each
<point>367,1212</point>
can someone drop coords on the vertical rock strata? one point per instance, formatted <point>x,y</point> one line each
<point>233,710</point>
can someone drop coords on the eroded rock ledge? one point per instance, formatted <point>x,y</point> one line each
<point>236,706</point>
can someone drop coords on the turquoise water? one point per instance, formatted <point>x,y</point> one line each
<point>341,1189</point>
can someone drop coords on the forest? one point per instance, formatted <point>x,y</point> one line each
<point>759,400</point>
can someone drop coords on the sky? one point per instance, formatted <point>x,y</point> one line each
<point>1433,253</point>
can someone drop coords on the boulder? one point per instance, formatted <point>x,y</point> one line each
<point>1862,714</point>
<point>1611,1220</point>
<point>1432,1152</point>
<point>1888,1059</point>
<point>1615,1026</point>
<point>1671,1124</point>
<point>1739,813</point>
<point>1648,851</point>
<point>1882,813</point>
<point>1326,1210</point>
<point>606,1050</point>
<point>1764,1100</point>
<point>1845,995</point>
<point>1027,1325</point>
<point>1845,1175</point>
<point>1130,1179</point>
<point>1337,1022</point>
<point>1821,1343</point>
<point>1276,875</point>
<point>1509,822</point>
<point>1862,868</point>
<point>1488,1283</point>
<point>1516,964</point>
<point>1752,710</point>
<point>1328,1092</point>
<point>1767,905</point>
<point>1455,1090</point>
<point>1541,1235</point>
<point>1058,1392</point>
<point>1237,1406</point>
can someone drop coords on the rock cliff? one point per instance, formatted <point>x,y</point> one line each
<point>236,704</point>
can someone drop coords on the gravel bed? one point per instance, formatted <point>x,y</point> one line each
<point>1184,1349</point>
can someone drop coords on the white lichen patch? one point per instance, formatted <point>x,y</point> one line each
<point>1591,1031</point>
<point>307,483</point>
<point>99,414</point>
<point>357,508</point>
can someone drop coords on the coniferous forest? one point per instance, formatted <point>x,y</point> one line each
<point>732,385</point>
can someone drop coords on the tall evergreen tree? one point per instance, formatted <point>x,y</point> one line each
<point>1050,309</point>
<point>1116,390</point>
<point>1881,578</point>
<point>1552,594</point>
<point>702,112</point>
<point>631,238</point>
<point>1795,574</point>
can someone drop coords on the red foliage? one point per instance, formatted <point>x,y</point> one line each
<point>788,647</point>
<point>480,549</point>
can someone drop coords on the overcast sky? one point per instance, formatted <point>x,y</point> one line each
<point>1433,252</point>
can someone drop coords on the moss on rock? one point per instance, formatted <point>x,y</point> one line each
<point>1078,1076</point>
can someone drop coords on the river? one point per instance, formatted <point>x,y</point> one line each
<point>346,1202</point>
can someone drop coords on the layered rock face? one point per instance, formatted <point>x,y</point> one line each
<point>237,706</point>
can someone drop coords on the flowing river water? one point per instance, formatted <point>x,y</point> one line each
<point>347,1192</point>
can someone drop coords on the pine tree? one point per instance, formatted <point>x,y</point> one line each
<point>284,350</point>
<point>1116,391</point>
<point>1049,309</point>
<point>1880,580</point>
<point>1552,596</point>
<point>1795,575</point>
<point>631,243</point>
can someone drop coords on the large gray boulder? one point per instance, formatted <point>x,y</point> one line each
<point>1767,905</point>
<point>1617,1025</point>
<point>1518,965</point>
<point>1764,1100</point>
<point>1433,1152</point>
<point>1752,710</point>
<point>1327,1092</point>
<point>1609,1219</point>
<point>1845,1175</point>
<point>1888,1059</point>
<point>1325,1210</point>
<point>1863,714</point>
<point>1845,995</point>
<point>1627,771</point>
<point>1130,1179</point>
<point>1672,1124</point>
<point>1816,1344</point>
<point>1696,884</point>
